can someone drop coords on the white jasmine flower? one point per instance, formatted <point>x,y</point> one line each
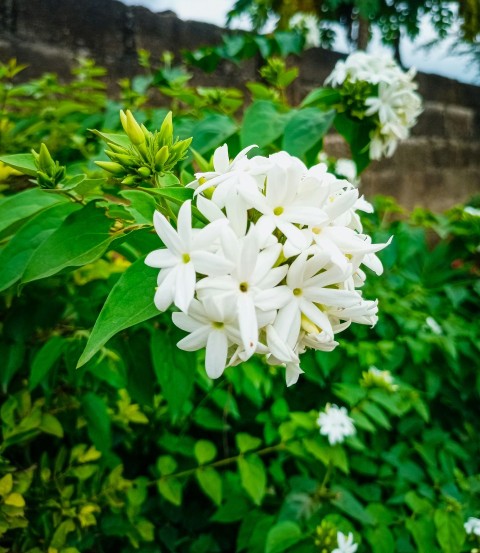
<point>308,24</point>
<point>472,526</point>
<point>335,424</point>
<point>187,252</point>
<point>433,326</point>
<point>345,543</point>
<point>472,211</point>
<point>274,272</point>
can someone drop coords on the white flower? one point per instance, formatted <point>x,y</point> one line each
<point>309,25</point>
<point>275,270</point>
<point>335,424</point>
<point>345,543</point>
<point>472,526</point>
<point>434,326</point>
<point>393,103</point>
<point>472,211</point>
<point>212,325</point>
<point>187,252</point>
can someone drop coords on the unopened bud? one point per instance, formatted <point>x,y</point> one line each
<point>132,128</point>
<point>131,180</point>
<point>309,326</point>
<point>112,167</point>
<point>45,161</point>
<point>166,130</point>
<point>144,171</point>
<point>44,181</point>
<point>161,157</point>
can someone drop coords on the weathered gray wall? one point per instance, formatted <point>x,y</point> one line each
<point>437,167</point>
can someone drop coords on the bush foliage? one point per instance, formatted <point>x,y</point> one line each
<point>138,449</point>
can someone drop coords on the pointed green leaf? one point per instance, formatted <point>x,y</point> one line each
<point>305,129</point>
<point>44,360</point>
<point>17,254</point>
<point>130,302</point>
<point>21,162</point>
<point>282,536</point>
<point>82,238</point>
<point>253,476</point>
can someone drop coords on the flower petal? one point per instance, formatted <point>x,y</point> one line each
<point>216,354</point>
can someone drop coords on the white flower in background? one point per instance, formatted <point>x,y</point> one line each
<point>345,543</point>
<point>472,211</point>
<point>391,100</point>
<point>472,526</point>
<point>381,379</point>
<point>335,424</point>
<point>309,25</point>
<point>346,168</point>
<point>433,326</point>
<point>274,272</point>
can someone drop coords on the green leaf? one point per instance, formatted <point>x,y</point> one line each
<point>130,302</point>
<point>262,124</point>
<point>347,503</point>
<point>45,360</point>
<point>82,238</point>
<point>211,483</point>
<point>423,532</point>
<point>204,451</point>
<point>381,539</point>
<point>51,425</point>
<point>25,204</point>
<point>25,163</point>
<point>253,476</point>
<point>174,369</point>
<point>327,454</point>
<point>6,485</point>
<point>357,134</point>
<point>166,465</point>
<point>98,421</point>
<point>450,531</point>
<point>305,129</point>
<point>282,536</point>
<point>118,139</point>
<point>212,131</point>
<point>178,194</point>
<point>142,205</point>
<point>376,414</point>
<point>321,97</point>
<point>235,508</point>
<point>245,442</point>
<point>18,252</point>
<point>171,490</point>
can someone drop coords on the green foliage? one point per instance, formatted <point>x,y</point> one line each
<point>137,450</point>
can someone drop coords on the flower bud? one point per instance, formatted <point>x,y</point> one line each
<point>131,180</point>
<point>161,157</point>
<point>166,130</point>
<point>132,128</point>
<point>112,167</point>
<point>45,161</point>
<point>144,172</point>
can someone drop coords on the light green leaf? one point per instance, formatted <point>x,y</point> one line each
<point>253,476</point>
<point>245,442</point>
<point>18,252</point>
<point>166,465</point>
<point>82,238</point>
<point>450,532</point>
<point>51,425</point>
<point>211,483</point>
<point>171,490</point>
<point>142,205</point>
<point>6,485</point>
<point>262,124</point>
<point>130,302</point>
<point>321,97</point>
<point>25,163</point>
<point>178,194</point>
<point>381,539</point>
<point>44,360</point>
<point>118,139</point>
<point>423,532</point>
<point>25,204</point>
<point>305,130</point>
<point>282,536</point>
<point>204,451</point>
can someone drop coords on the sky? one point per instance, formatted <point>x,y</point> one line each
<point>437,60</point>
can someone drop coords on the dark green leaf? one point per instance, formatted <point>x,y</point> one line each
<point>45,360</point>
<point>98,421</point>
<point>262,124</point>
<point>305,129</point>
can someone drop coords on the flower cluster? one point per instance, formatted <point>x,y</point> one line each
<point>275,271</point>
<point>335,424</point>
<point>385,92</point>
<point>380,379</point>
<point>472,526</point>
<point>345,543</point>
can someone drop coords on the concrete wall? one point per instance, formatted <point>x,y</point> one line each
<point>437,167</point>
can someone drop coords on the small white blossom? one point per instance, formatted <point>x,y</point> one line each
<point>393,101</point>
<point>472,211</point>
<point>472,526</point>
<point>335,424</point>
<point>433,326</point>
<point>345,543</point>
